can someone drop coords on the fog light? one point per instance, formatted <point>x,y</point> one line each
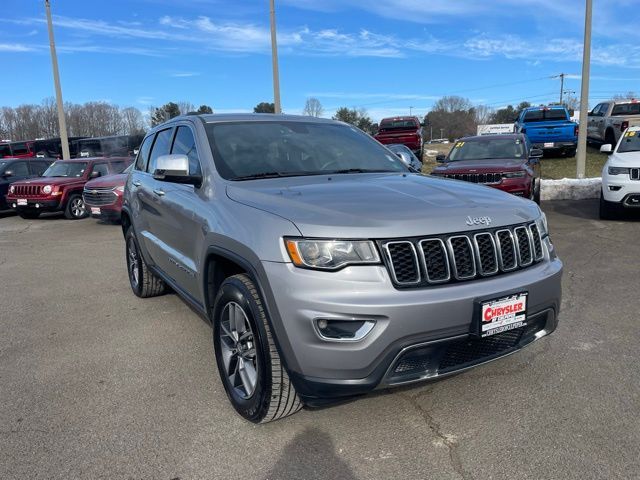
<point>614,188</point>
<point>37,205</point>
<point>343,330</point>
<point>13,205</point>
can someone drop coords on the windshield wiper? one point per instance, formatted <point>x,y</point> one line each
<point>273,175</point>
<point>358,170</point>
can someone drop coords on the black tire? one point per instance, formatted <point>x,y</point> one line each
<point>28,214</point>
<point>570,153</point>
<point>273,396</point>
<point>608,210</point>
<point>76,209</point>
<point>143,282</point>
<point>610,138</point>
<point>536,191</point>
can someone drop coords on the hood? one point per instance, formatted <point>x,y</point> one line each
<point>381,205</point>
<point>627,159</point>
<point>51,181</point>
<point>481,166</point>
<point>108,181</point>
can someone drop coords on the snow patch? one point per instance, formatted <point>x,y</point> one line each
<point>571,188</point>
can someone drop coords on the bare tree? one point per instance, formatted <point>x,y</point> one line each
<point>186,107</point>
<point>483,114</point>
<point>313,107</point>
<point>625,96</point>
<point>133,121</point>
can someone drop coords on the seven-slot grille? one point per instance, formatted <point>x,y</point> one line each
<point>476,177</point>
<point>27,189</point>
<point>99,196</point>
<point>421,262</point>
<point>634,173</point>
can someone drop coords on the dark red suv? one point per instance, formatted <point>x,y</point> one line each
<point>103,196</point>
<point>506,162</point>
<point>404,130</point>
<point>60,187</point>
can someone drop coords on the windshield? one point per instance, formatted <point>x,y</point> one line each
<point>66,169</point>
<point>485,149</point>
<point>543,115</point>
<point>398,125</point>
<point>630,142</point>
<point>246,150</point>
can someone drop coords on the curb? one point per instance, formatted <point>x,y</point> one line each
<point>571,189</point>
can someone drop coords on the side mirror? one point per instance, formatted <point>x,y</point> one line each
<point>536,153</point>
<point>441,157</point>
<point>95,174</point>
<point>606,148</point>
<point>175,168</point>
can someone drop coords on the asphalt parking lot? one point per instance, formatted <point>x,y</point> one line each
<point>96,383</point>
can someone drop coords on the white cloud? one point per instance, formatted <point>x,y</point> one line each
<point>184,74</point>
<point>15,47</point>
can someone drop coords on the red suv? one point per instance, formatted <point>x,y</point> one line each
<point>404,130</point>
<point>60,187</point>
<point>506,162</point>
<point>103,196</point>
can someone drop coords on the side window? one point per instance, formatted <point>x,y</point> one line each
<point>160,147</point>
<point>20,169</point>
<point>603,109</point>
<point>38,168</point>
<point>143,154</point>
<point>185,144</point>
<point>101,168</point>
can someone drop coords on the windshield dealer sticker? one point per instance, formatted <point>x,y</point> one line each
<point>459,144</point>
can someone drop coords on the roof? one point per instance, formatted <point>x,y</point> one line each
<point>255,117</point>
<point>94,159</point>
<point>545,107</point>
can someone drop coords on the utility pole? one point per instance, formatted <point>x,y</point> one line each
<point>410,108</point>
<point>581,158</point>
<point>274,59</point>
<point>62,124</point>
<point>441,133</point>
<point>561,86</point>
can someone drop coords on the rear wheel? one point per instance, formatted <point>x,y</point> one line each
<point>535,191</point>
<point>250,367</point>
<point>143,282</point>
<point>76,209</point>
<point>608,210</point>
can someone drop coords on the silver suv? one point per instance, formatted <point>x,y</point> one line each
<point>325,266</point>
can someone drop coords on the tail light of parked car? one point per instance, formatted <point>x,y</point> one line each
<point>624,125</point>
<point>576,130</point>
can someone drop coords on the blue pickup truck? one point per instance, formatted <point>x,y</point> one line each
<point>550,129</point>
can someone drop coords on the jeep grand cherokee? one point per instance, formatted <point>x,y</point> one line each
<point>326,267</point>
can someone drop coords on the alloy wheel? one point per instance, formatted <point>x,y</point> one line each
<point>78,208</point>
<point>238,350</point>
<point>132,263</point>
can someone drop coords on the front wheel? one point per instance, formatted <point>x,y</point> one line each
<point>76,209</point>
<point>535,187</point>
<point>608,210</point>
<point>144,283</point>
<point>250,367</point>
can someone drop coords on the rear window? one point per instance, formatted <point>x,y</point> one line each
<point>398,125</point>
<point>19,148</point>
<point>544,115</point>
<point>5,151</point>
<point>626,109</point>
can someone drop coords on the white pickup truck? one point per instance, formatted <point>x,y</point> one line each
<point>608,120</point>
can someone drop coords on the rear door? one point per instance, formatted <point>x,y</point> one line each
<point>20,171</point>
<point>178,227</point>
<point>601,121</point>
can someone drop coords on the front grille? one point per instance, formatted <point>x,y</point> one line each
<point>476,177</point>
<point>26,190</point>
<point>634,173</point>
<point>99,196</point>
<point>459,257</point>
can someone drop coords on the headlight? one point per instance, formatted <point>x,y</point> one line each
<point>119,188</point>
<point>12,189</point>
<point>518,174</point>
<point>618,171</point>
<point>331,254</point>
<point>541,223</point>
<point>47,189</point>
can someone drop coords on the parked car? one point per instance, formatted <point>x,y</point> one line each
<point>549,129</point>
<point>326,267</point>
<point>621,175</point>
<point>60,187</point>
<point>13,169</point>
<point>119,145</point>
<point>406,155</point>
<point>103,196</point>
<point>608,120</point>
<point>404,130</point>
<point>507,162</point>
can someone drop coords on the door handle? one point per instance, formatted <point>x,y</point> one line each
<point>136,183</point>
<point>158,192</point>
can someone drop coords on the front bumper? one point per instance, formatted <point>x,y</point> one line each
<point>404,319</point>
<point>40,204</point>
<point>621,189</point>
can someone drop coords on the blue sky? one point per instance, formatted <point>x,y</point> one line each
<point>383,56</point>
